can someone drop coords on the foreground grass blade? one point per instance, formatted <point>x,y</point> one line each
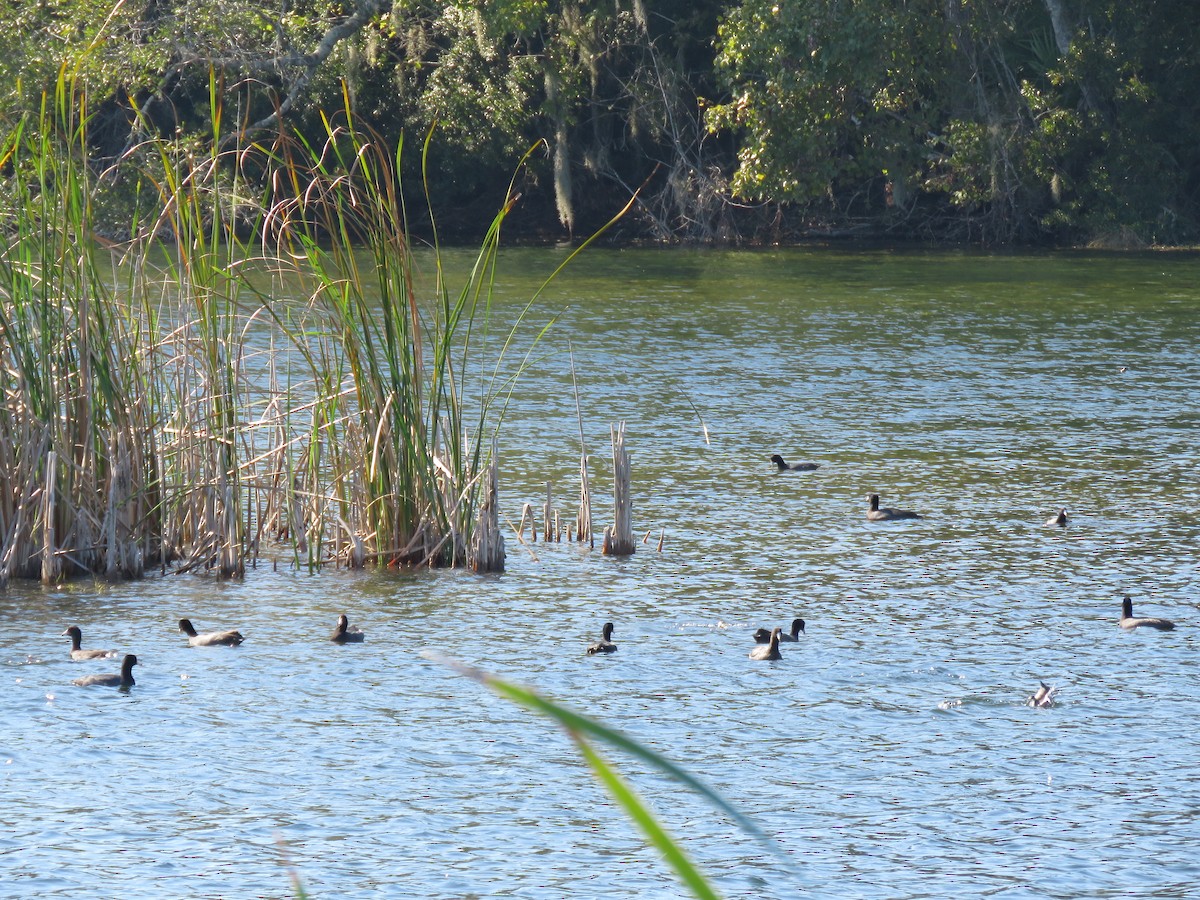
<point>639,813</point>
<point>580,725</point>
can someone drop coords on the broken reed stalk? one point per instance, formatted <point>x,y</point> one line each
<point>527,513</point>
<point>126,554</point>
<point>487,551</point>
<point>51,565</point>
<point>618,539</point>
<point>583,520</point>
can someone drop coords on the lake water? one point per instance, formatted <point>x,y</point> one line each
<point>890,752</point>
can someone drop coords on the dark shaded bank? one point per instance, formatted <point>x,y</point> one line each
<point>533,220</point>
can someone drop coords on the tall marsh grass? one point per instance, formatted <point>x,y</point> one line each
<point>80,477</point>
<point>413,470</point>
<point>179,401</point>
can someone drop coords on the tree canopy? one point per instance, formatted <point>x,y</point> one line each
<point>1036,121</point>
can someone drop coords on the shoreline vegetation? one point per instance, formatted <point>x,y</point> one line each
<point>1035,123</point>
<point>166,408</point>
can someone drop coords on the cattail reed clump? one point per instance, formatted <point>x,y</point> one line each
<point>162,407</point>
<point>80,484</point>
<point>408,469</point>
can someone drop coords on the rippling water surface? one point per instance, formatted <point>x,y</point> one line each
<point>890,753</point>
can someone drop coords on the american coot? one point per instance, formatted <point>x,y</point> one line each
<point>123,680</point>
<point>1129,622</point>
<point>604,645</point>
<point>213,638</point>
<point>782,466</point>
<point>1043,697</point>
<point>879,513</point>
<point>344,634</point>
<point>797,627</point>
<point>768,651</point>
<point>1060,520</point>
<point>77,653</point>
<point>763,635</point>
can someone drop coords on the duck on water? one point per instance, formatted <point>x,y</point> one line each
<point>769,650</point>
<point>1042,698</point>
<point>1129,621</point>
<point>124,680</point>
<point>605,644</point>
<point>77,652</point>
<point>211,639</point>
<point>344,634</point>
<point>879,513</point>
<point>781,466</point>
<point>763,635</point>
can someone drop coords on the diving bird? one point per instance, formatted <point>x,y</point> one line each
<point>768,651</point>
<point>781,466</point>
<point>604,645</point>
<point>1129,622</point>
<point>1060,520</point>
<point>344,634</point>
<point>212,638</point>
<point>123,680</point>
<point>1043,697</point>
<point>879,513</point>
<point>78,653</point>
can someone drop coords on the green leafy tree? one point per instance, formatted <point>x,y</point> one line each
<point>608,88</point>
<point>827,93</point>
<point>1014,120</point>
<point>1117,130</point>
<point>1008,121</point>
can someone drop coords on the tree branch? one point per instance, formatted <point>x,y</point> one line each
<point>310,62</point>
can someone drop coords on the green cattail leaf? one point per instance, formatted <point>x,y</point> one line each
<point>578,724</point>
<point>671,852</point>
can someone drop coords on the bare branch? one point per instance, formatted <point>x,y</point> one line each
<point>309,63</point>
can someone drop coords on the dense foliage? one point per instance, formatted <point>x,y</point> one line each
<point>1015,120</point>
<point>999,122</point>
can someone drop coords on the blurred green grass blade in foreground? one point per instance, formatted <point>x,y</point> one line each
<point>583,730</point>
